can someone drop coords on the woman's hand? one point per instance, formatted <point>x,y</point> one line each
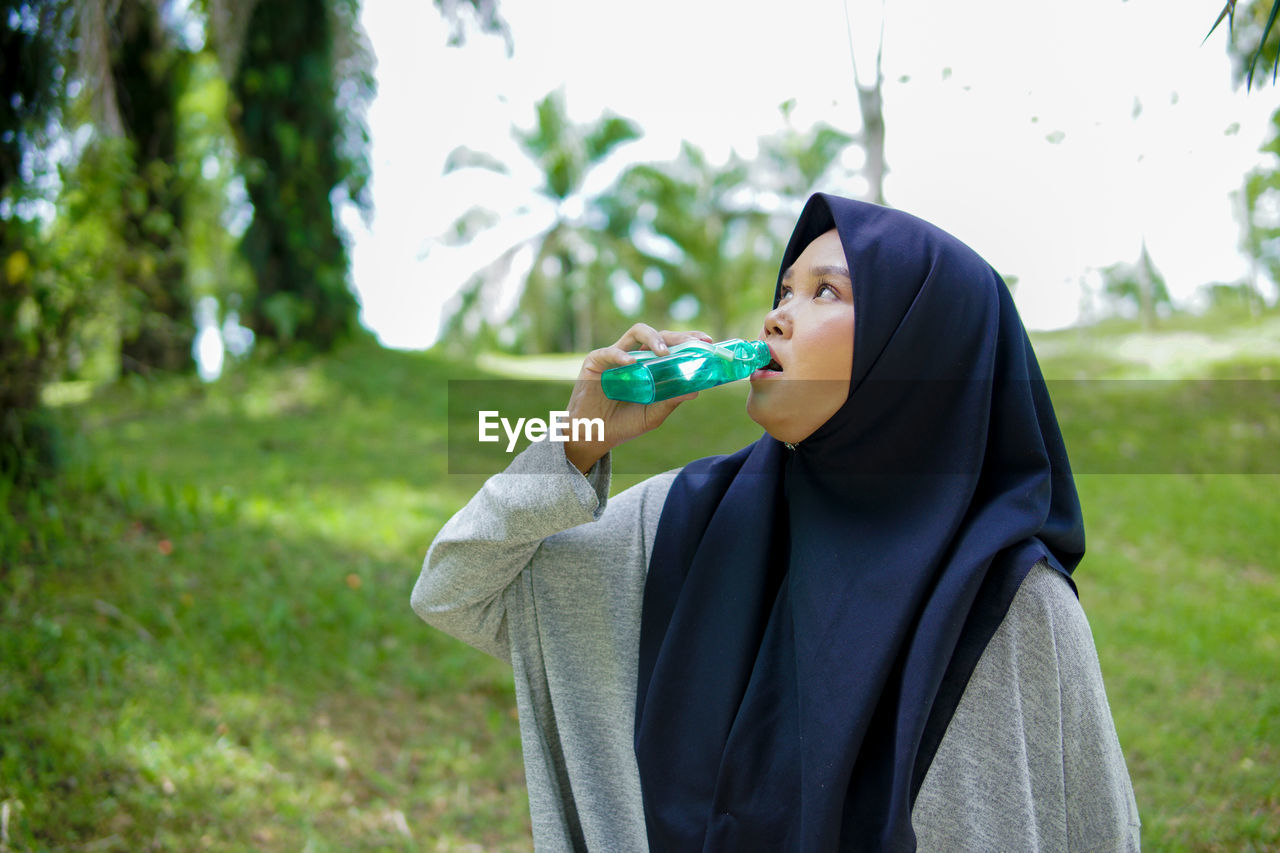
<point>622,421</point>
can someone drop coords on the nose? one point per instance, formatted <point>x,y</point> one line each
<point>777,322</point>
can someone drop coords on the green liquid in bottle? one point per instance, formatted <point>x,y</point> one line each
<point>688,367</point>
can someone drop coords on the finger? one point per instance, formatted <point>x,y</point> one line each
<point>600,360</point>
<point>673,338</point>
<point>644,336</point>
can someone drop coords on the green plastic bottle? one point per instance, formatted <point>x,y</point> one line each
<point>687,367</point>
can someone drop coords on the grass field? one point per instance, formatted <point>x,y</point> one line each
<point>207,642</point>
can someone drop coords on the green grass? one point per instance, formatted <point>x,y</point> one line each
<point>207,642</point>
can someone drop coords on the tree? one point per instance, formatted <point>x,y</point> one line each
<point>684,242</point>
<point>132,70</point>
<point>567,286</point>
<point>1261,213</point>
<point>704,237</point>
<point>297,113</point>
<point>148,74</point>
<point>1138,287</point>
<point>216,209</point>
<point>871,106</point>
<point>708,237</point>
<point>794,163</point>
<point>36,313</point>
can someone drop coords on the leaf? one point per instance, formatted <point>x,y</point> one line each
<point>609,134</point>
<point>1228,12</point>
<point>463,157</point>
<point>465,228</point>
<point>1266,31</point>
<point>552,120</point>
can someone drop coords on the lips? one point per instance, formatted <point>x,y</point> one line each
<point>773,364</point>
<point>773,368</point>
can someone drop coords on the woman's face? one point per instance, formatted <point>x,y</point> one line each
<point>810,334</point>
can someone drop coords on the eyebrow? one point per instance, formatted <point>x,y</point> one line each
<point>819,272</point>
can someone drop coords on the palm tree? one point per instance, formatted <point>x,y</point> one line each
<point>794,163</point>
<point>567,288</point>
<point>708,237</point>
<point>696,238</point>
<point>300,145</point>
<point>133,72</point>
<point>148,70</point>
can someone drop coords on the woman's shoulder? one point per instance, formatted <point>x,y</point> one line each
<point>1046,586</point>
<point>643,502</point>
<point>1046,614</point>
<point>1030,758</point>
<point>1042,653</point>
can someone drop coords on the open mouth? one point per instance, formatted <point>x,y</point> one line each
<point>773,367</point>
<point>773,362</point>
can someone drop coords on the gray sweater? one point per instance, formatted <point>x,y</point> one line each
<point>544,570</point>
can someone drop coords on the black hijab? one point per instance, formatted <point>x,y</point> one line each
<point>811,616</point>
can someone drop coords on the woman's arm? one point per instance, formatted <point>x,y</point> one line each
<point>543,570</point>
<point>550,488</point>
<point>483,548</point>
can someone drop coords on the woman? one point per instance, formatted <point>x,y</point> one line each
<point>858,633</point>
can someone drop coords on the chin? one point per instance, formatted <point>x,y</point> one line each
<point>769,419</point>
<point>793,413</point>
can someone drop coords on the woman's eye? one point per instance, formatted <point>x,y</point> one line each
<point>827,288</point>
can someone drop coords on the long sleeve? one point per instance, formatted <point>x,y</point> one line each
<point>1031,760</point>
<point>483,548</point>
<point>542,569</point>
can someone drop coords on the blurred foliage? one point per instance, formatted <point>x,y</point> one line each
<point>124,191</point>
<point>793,162</point>
<point>149,72</point>
<point>89,240</point>
<point>299,120</point>
<point>1138,288</point>
<point>1232,296</point>
<point>1254,40</point>
<point>687,242</point>
<point>217,208</point>
<point>464,14</point>
<point>565,302</point>
<point>696,241</point>
<point>37,309</point>
<point>1261,234</point>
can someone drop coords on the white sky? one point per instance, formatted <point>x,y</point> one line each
<point>968,150</point>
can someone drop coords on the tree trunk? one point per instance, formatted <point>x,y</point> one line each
<point>871,104</point>
<point>871,107</point>
<point>145,76</point>
<point>1146,296</point>
<point>1252,250</point>
<point>286,122</point>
